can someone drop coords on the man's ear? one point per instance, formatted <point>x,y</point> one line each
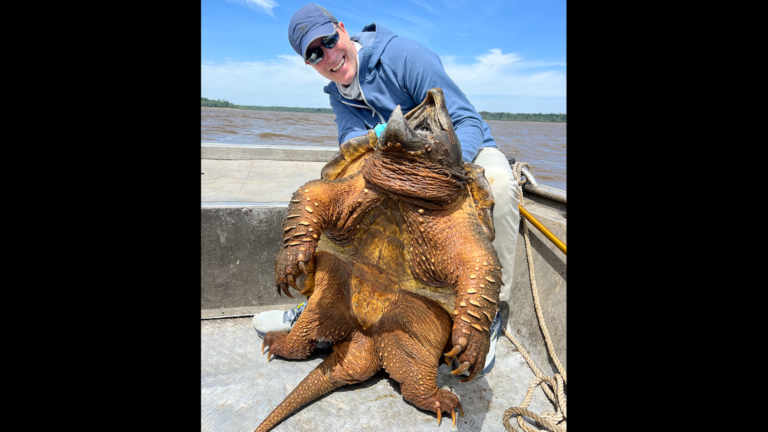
<point>341,26</point>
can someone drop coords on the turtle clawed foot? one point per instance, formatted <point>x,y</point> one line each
<point>269,353</point>
<point>453,417</point>
<point>463,368</point>
<point>274,341</point>
<point>449,404</point>
<point>454,352</point>
<point>291,281</point>
<point>284,287</point>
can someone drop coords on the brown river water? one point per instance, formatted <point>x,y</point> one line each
<point>540,144</point>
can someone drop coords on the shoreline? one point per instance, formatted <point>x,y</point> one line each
<point>521,121</point>
<point>239,109</point>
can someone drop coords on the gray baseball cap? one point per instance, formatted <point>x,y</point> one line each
<point>307,24</point>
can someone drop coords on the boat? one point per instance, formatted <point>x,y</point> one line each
<point>245,190</point>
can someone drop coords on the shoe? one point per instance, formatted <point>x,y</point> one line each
<point>276,320</point>
<point>281,321</point>
<point>490,359</point>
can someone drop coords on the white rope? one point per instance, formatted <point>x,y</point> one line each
<point>554,421</point>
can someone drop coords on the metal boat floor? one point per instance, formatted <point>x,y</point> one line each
<point>239,388</point>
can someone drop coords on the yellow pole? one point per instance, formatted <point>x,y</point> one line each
<point>553,238</point>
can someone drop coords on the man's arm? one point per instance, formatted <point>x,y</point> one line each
<point>348,124</point>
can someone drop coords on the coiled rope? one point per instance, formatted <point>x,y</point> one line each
<point>554,421</point>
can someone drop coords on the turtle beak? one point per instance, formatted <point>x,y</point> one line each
<point>398,131</point>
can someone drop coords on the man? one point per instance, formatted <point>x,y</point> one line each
<point>373,72</point>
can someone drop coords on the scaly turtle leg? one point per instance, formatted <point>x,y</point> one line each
<point>326,316</point>
<point>412,357</point>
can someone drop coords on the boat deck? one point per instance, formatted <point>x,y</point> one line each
<point>239,388</point>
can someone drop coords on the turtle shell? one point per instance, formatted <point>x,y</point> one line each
<point>380,254</point>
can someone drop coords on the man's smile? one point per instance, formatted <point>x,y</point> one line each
<point>339,66</point>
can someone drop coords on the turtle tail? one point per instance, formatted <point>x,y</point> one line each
<point>312,387</point>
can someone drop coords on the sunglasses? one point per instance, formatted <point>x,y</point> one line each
<point>315,55</point>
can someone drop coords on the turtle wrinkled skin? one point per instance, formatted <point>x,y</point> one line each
<point>393,249</point>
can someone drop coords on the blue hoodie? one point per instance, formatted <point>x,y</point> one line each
<point>399,71</point>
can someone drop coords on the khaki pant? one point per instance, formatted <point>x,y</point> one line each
<point>506,215</point>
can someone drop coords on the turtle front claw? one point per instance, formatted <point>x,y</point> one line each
<point>454,352</point>
<point>285,288</point>
<point>290,264</point>
<point>292,281</point>
<point>463,368</point>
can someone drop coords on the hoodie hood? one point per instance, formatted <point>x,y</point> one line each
<point>374,41</point>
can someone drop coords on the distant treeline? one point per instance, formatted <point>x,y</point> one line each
<point>218,103</point>
<point>555,118</point>
<point>291,109</point>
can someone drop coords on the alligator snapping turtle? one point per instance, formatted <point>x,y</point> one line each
<point>393,246</point>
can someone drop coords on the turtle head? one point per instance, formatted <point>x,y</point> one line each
<point>425,133</point>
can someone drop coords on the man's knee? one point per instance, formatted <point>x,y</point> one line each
<point>502,181</point>
<point>499,175</point>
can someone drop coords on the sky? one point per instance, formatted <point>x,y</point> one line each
<point>506,55</point>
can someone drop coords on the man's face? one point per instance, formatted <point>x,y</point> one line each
<point>343,53</point>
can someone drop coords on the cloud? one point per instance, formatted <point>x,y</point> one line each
<point>417,20</point>
<point>426,6</point>
<point>285,81</point>
<point>494,81</point>
<point>265,5</point>
<point>497,74</point>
